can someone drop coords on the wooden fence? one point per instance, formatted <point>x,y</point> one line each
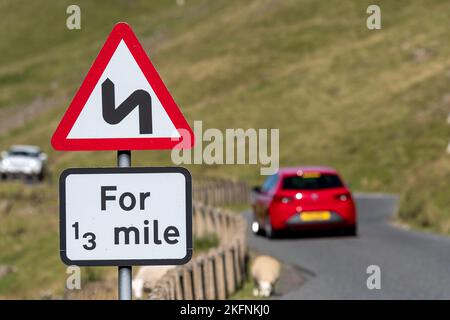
<point>218,273</point>
<point>218,192</point>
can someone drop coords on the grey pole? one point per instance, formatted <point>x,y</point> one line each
<point>124,160</point>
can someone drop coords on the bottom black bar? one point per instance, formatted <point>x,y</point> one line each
<point>233,309</point>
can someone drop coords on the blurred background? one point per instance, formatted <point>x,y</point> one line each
<point>371,103</point>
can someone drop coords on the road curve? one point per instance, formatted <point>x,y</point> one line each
<point>413,265</point>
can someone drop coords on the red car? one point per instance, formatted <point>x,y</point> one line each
<point>303,198</point>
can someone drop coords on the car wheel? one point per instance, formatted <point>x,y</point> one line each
<point>268,230</point>
<point>350,231</point>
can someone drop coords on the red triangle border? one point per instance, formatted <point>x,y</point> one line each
<point>121,31</point>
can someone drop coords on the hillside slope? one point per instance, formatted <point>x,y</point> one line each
<point>371,103</point>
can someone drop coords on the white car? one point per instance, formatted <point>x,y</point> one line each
<point>22,160</point>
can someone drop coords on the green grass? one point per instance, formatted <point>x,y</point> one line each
<point>245,292</point>
<point>205,243</point>
<point>366,102</point>
<point>237,207</point>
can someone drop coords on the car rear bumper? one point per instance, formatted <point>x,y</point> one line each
<point>335,221</point>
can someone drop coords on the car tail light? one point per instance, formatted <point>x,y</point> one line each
<point>343,196</point>
<point>283,199</point>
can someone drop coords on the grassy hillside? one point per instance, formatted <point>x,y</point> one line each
<point>371,103</point>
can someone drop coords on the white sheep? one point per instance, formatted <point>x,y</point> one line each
<point>146,277</point>
<point>265,271</point>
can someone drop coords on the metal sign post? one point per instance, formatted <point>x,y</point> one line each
<point>124,216</point>
<point>124,161</point>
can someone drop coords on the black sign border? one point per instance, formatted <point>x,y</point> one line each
<point>127,262</point>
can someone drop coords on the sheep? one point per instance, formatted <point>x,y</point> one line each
<point>265,272</point>
<point>146,277</point>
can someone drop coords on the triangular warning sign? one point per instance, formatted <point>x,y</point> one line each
<point>122,104</point>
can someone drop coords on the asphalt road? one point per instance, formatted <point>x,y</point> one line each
<point>413,265</point>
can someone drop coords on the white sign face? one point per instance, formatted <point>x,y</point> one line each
<point>125,77</point>
<point>126,216</point>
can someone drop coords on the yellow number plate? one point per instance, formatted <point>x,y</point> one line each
<point>315,216</point>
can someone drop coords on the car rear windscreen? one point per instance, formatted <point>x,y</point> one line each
<point>311,181</point>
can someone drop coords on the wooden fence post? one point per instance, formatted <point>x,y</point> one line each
<point>229,271</point>
<point>172,291</point>
<point>236,264</point>
<point>210,278</point>
<point>198,284</point>
<point>178,285</point>
<point>187,283</point>
<point>221,293</point>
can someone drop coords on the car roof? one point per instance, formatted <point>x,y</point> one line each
<point>294,170</point>
<point>25,148</point>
